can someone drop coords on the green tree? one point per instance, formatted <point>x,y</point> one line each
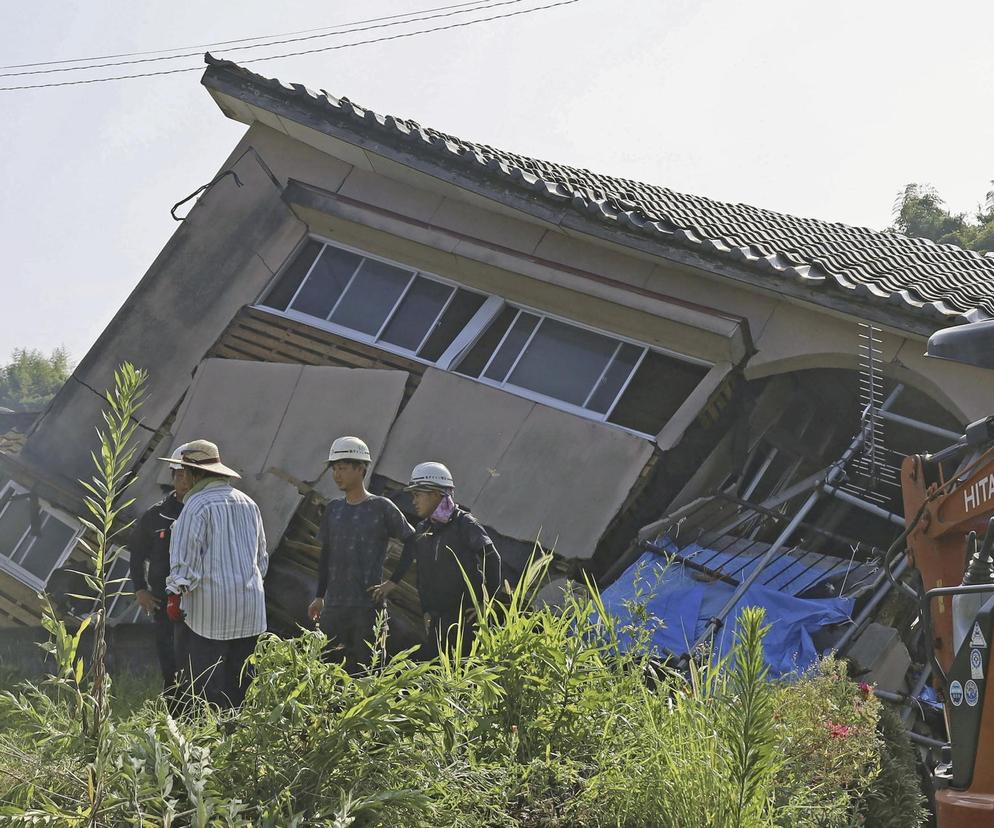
<point>921,213</point>
<point>31,379</point>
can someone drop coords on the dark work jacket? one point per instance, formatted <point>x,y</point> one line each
<point>149,543</point>
<point>443,551</point>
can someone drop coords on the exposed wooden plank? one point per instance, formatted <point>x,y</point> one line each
<point>259,352</point>
<point>322,342</point>
<point>228,351</point>
<point>308,526</point>
<point>285,336</point>
<point>280,345</point>
<point>269,349</point>
<point>17,591</point>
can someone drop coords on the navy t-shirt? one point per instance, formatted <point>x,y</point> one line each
<point>354,541</point>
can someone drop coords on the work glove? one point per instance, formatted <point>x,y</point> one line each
<point>173,608</point>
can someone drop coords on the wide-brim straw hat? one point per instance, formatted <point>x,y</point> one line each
<point>202,454</point>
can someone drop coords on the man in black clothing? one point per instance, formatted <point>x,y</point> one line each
<point>354,534</point>
<point>447,543</point>
<point>148,546</point>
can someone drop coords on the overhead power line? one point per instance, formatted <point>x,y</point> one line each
<point>217,43</point>
<point>400,36</point>
<point>489,4</point>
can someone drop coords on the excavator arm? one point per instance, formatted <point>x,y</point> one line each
<point>941,511</point>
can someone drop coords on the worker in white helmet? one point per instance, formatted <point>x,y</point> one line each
<point>448,542</point>
<point>354,534</point>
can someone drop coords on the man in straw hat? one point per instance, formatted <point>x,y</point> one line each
<point>355,532</point>
<point>217,560</point>
<point>148,547</point>
<point>451,548</point>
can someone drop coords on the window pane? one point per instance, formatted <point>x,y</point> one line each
<point>657,390</point>
<point>515,341</point>
<point>372,295</point>
<point>472,364</point>
<point>22,548</point>
<point>615,376</point>
<point>417,313</point>
<point>121,590</point>
<point>47,548</point>
<point>14,521</point>
<point>457,315</point>
<point>328,279</point>
<point>563,361</point>
<point>281,294</point>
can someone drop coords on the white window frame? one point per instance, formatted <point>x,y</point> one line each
<point>478,324</point>
<point>555,402</point>
<point>507,385</point>
<point>351,333</point>
<point>17,571</point>
<point>132,617</point>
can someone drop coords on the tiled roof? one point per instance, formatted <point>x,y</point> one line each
<point>942,282</point>
<point>12,442</point>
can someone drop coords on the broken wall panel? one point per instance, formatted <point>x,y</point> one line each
<point>462,423</point>
<point>273,423</point>
<point>524,468</point>
<point>328,403</point>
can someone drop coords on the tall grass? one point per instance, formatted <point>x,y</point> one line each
<point>544,721</point>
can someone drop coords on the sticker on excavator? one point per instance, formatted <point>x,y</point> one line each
<point>965,692</point>
<point>977,639</point>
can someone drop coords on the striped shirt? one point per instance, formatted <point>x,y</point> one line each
<point>217,560</point>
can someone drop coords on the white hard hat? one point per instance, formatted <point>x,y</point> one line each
<point>178,455</point>
<point>431,476</point>
<point>349,448</point>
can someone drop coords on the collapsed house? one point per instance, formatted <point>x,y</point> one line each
<point>611,369</point>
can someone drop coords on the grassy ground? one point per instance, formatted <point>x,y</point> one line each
<point>130,689</point>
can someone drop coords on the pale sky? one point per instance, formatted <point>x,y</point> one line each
<point>812,108</point>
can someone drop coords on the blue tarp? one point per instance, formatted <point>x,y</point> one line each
<point>680,606</point>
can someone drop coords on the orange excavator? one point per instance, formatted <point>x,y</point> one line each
<point>948,506</point>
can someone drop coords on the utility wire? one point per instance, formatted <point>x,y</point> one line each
<point>384,39</point>
<point>491,5</point>
<point>237,40</point>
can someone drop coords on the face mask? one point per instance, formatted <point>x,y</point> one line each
<point>443,512</point>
